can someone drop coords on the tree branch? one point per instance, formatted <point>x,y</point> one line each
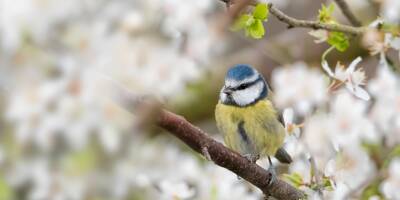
<point>292,22</point>
<point>344,7</point>
<point>224,157</point>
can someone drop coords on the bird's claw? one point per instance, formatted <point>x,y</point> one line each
<point>251,158</point>
<point>272,172</point>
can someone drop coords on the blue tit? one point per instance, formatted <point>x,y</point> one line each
<point>247,118</point>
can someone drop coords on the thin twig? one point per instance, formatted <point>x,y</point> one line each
<point>316,174</point>
<point>292,22</point>
<point>344,7</point>
<point>236,8</point>
<point>224,157</point>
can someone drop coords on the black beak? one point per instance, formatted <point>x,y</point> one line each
<point>227,91</point>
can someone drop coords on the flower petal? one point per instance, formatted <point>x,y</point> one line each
<point>351,87</point>
<point>376,23</point>
<point>353,64</point>
<point>361,93</point>
<point>395,43</point>
<point>330,168</point>
<point>288,116</point>
<point>320,35</point>
<point>340,73</point>
<point>358,91</point>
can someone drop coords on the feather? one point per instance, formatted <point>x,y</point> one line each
<point>264,133</point>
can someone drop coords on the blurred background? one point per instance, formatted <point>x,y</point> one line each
<point>71,72</point>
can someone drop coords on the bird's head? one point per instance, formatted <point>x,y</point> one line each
<point>243,86</point>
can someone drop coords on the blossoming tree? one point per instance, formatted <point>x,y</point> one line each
<point>86,85</point>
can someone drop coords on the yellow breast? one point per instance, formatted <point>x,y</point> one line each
<point>253,129</point>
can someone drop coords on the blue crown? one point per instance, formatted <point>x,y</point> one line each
<point>240,72</point>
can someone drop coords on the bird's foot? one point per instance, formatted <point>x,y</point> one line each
<point>271,170</point>
<point>251,157</point>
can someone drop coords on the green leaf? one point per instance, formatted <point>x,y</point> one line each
<point>214,192</point>
<point>81,162</point>
<point>253,24</point>
<point>295,178</point>
<point>391,28</point>
<point>375,151</point>
<point>261,11</point>
<point>339,40</point>
<point>371,190</point>
<point>325,13</point>
<point>327,183</point>
<point>6,191</point>
<point>256,30</point>
<point>394,152</point>
<point>242,22</point>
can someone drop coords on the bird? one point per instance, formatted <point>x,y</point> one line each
<point>247,118</point>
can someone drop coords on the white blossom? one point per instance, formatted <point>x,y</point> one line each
<point>352,166</point>
<point>340,192</point>
<point>302,167</point>
<point>390,10</point>
<point>395,44</point>
<point>290,126</point>
<point>298,87</point>
<point>352,78</point>
<point>67,65</point>
<point>319,35</point>
<point>384,87</point>
<point>317,139</point>
<point>390,185</point>
<point>174,190</point>
<point>348,121</point>
<point>345,125</point>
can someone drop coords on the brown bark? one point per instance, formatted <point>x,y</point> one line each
<point>224,157</point>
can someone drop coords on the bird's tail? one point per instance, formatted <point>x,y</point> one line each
<point>283,156</point>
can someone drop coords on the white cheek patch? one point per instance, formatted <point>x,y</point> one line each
<point>248,95</point>
<point>222,96</point>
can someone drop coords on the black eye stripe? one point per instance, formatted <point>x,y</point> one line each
<point>243,86</point>
<point>229,100</point>
<point>246,85</point>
